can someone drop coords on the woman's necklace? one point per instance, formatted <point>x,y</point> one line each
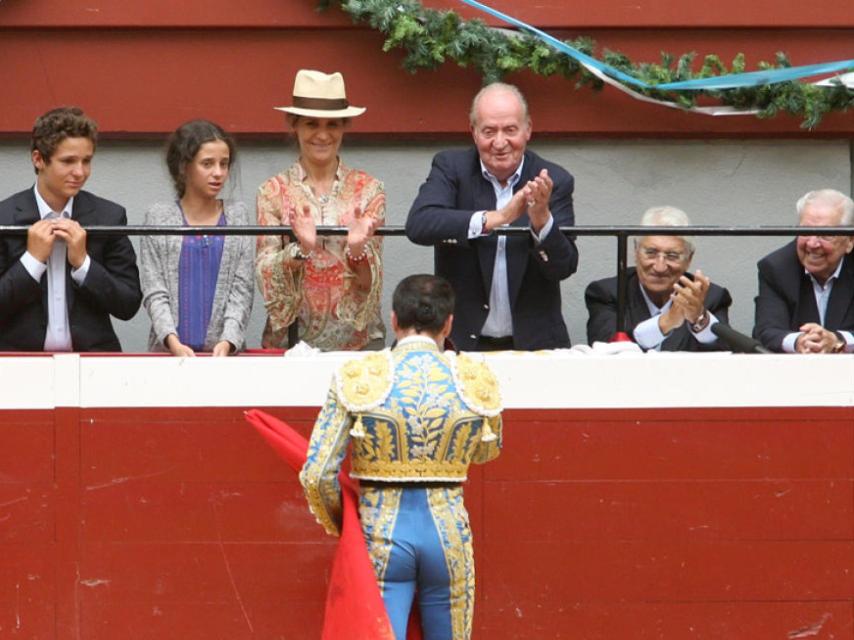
<point>320,191</point>
<point>321,188</point>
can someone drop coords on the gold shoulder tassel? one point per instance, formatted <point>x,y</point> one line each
<point>358,430</point>
<point>486,434</point>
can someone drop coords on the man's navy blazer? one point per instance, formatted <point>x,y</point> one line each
<point>111,287</point>
<point>440,216</point>
<point>786,299</point>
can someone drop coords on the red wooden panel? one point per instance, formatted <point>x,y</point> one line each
<point>301,13</point>
<point>215,450</point>
<point>67,566</point>
<point>666,571</point>
<point>27,513</point>
<point>199,621</point>
<point>223,14</point>
<point>148,82</point>
<point>27,451</point>
<point>180,523</point>
<point>195,512</point>
<point>645,450</point>
<point>27,594</point>
<point>657,14</point>
<point>659,511</point>
<point>204,573</point>
<point>571,620</point>
<point>679,416</point>
<point>296,416</point>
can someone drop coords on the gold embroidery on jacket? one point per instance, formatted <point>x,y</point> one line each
<point>421,427</point>
<point>452,525</point>
<point>378,509</point>
<point>365,383</point>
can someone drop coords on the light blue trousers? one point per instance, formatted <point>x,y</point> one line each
<point>420,542</point>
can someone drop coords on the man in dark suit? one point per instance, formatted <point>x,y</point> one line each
<point>668,309</point>
<point>806,288</point>
<point>508,287</point>
<point>59,288</point>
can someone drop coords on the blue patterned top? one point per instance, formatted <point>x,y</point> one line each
<point>198,269</point>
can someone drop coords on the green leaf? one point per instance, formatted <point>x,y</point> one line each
<point>429,38</point>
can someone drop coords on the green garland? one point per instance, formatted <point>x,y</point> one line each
<point>430,38</point>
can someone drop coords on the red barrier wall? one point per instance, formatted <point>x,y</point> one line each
<point>593,524</point>
<point>145,67</point>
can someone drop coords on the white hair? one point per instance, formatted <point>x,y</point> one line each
<point>831,198</point>
<point>668,217</point>
<point>498,86</point>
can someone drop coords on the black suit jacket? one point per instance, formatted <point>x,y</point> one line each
<point>786,299</point>
<point>601,300</point>
<point>440,217</point>
<point>111,286</point>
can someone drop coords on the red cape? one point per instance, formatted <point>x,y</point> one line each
<point>354,606</point>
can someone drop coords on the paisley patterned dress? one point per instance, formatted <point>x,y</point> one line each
<point>334,312</point>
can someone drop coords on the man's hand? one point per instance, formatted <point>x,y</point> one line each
<point>75,237</point>
<point>40,239</point>
<point>816,339</point>
<point>672,319</point>
<point>538,192</point>
<point>691,295</point>
<point>687,302</point>
<point>507,214</point>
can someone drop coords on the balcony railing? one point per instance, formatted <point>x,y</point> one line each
<point>620,233</point>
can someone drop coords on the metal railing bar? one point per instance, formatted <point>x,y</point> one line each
<point>635,230</point>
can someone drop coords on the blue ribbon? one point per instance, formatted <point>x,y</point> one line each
<point>728,81</point>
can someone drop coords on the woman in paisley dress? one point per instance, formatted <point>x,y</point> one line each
<point>330,285</point>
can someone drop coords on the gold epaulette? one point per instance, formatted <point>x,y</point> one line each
<point>477,385</point>
<point>364,383</point>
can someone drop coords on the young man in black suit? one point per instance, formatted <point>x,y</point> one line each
<point>58,287</point>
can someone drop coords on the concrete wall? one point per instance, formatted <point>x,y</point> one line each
<point>727,182</point>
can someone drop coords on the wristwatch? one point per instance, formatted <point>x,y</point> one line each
<point>702,322</point>
<point>839,347</point>
<point>483,230</point>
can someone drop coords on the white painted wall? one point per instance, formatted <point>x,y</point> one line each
<point>693,380</point>
<point>726,182</point>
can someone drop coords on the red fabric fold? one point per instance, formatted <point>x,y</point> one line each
<point>354,606</point>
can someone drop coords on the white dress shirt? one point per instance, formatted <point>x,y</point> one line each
<point>58,336</point>
<point>499,320</point>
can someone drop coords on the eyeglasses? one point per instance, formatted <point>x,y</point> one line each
<point>670,257</point>
<point>824,239</point>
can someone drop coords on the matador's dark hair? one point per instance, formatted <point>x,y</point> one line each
<point>423,302</point>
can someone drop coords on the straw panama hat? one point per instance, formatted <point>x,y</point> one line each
<point>320,95</point>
